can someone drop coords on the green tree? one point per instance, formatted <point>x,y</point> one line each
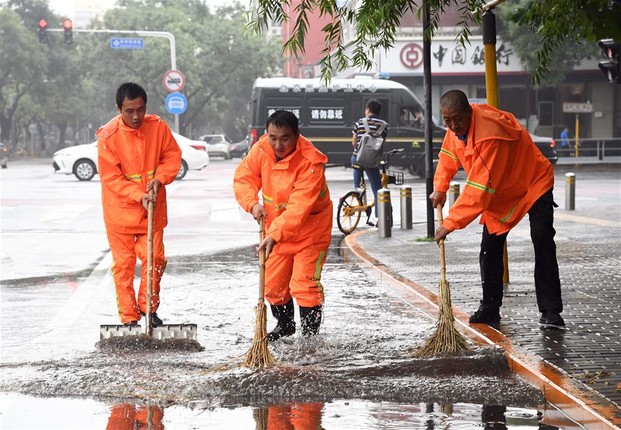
<point>218,60</point>
<point>24,67</point>
<point>554,22</point>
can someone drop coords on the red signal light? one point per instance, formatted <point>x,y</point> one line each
<point>42,31</point>
<point>68,26</point>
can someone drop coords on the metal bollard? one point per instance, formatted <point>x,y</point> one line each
<point>406,207</point>
<point>453,192</point>
<point>570,191</point>
<point>384,213</point>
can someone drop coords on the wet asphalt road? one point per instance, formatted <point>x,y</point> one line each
<point>50,319</point>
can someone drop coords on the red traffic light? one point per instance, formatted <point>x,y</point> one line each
<point>42,31</point>
<point>68,26</point>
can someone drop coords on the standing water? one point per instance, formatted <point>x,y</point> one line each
<point>357,374</point>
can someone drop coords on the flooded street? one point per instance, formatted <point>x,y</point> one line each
<point>360,365</point>
<point>357,374</point>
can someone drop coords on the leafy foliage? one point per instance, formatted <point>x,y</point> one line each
<point>70,89</point>
<point>554,24</point>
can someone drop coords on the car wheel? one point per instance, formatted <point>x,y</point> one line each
<point>183,170</point>
<point>84,170</point>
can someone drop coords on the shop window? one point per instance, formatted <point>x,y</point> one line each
<point>546,114</point>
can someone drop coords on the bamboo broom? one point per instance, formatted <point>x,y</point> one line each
<point>446,339</point>
<point>259,354</point>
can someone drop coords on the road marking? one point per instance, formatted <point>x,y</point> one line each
<point>586,220</point>
<point>65,213</point>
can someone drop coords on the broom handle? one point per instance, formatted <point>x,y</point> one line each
<point>261,260</point>
<point>441,244</point>
<point>149,326</point>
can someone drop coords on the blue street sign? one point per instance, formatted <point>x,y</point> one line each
<point>176,103</point>
<point>127,43</point>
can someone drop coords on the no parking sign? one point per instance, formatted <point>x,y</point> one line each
<point>174,80</point>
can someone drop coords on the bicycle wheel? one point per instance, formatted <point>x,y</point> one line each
<point>347,217</point>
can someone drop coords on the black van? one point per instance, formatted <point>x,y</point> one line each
<point>327,114</point>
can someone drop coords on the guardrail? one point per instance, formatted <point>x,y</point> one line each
<point>591,147</point>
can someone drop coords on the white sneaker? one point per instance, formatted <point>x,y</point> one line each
<point>372,221</point>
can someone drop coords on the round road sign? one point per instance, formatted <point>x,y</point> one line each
<point>176,103</point>
<point>173,80</point>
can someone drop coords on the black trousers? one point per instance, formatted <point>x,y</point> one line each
<point>547,281</point>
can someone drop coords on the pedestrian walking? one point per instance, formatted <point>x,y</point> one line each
<point>137,157</point>
<point>508,177</point>
<point>374,123</point>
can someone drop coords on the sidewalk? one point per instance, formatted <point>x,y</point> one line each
<point>587,354</point>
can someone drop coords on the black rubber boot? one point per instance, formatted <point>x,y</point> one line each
<point>311,320</point>
<point>488,313</point>
<point>286,324</point>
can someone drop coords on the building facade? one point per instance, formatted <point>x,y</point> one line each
<point>454,66</point>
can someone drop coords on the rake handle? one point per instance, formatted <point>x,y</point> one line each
<point>149,325</point>
<point>441,245</point>
<point>261,260</point>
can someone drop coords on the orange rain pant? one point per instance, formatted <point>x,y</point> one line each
<point>125,416</point>
<point>125,248</point>
<point>295,416</point>
<point>297,275</point>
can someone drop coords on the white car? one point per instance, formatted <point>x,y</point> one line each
<point>218,145</point>
<point>81,160</point>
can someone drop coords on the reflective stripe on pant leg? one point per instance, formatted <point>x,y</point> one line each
<point>306,285</point>
<point>159,265</point>
<point>278,269</point>
<point>123,269</point>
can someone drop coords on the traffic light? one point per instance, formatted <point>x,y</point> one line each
<point>42,31</point>
<point>611,66</point>
<point>68,26</point>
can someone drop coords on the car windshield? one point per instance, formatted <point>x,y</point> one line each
<point>213,139</point>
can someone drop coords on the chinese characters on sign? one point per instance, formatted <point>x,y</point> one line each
<point>451,57</point>
<point>317,114</point>
<point>311,88</point>
<point>326,114</point>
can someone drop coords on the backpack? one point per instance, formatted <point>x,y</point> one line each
<point>370,148</point>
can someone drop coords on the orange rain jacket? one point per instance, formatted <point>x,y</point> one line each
<point>295,194</point>
<point>506,172</point>
<point>128,159</point>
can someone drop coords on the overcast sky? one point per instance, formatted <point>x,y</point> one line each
<point>67,7</point>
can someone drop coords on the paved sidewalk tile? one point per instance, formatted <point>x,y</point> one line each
<point>589,258</point>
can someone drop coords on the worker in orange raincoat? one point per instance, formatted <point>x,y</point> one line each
<point>296,204</point>
<point>508,177</point>
<point>138,156</point>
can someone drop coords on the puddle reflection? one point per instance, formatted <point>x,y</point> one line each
<point>126,416</point>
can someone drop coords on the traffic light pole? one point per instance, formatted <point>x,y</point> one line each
<point>164,34</point>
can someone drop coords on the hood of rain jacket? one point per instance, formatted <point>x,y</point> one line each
<point>294,193</point>
<point>506,171</point>
<point>127,160</point>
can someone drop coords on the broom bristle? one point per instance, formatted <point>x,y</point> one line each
<point>446,339</point>
<point>259,354</point>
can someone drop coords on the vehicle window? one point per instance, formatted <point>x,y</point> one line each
<point>411,117</point>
